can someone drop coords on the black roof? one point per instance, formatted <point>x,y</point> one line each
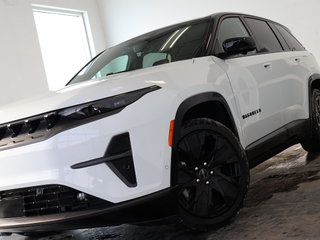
<point>215,16</point>
<point>223,14</point>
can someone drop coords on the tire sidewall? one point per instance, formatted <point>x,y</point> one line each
<point>315,126</point>
<point>218,128</point>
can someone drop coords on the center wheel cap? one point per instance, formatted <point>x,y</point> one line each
<point>203,174</point>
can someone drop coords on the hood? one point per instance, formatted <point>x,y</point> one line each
<point>74,94</point>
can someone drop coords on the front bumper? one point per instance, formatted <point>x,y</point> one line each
<point>147,208</point>
<point>50,162</point>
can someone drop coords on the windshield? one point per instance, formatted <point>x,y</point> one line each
<point>163,46</point>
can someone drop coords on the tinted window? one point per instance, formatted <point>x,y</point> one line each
<point>229,28</point>
<point>292,42</point>
<point>171,44</point>
<point>264,35</point>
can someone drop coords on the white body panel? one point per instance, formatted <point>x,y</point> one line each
<point>273,83</point>
<point>147,121</point>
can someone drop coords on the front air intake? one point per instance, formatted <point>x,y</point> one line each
<point>122,164</point>
<point>46,200</point>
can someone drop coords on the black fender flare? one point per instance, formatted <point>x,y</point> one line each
<point>186,105</point>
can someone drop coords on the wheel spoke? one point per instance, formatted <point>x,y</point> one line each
<point>190,184</point>
<point>192,149</point>
<point>187,150</point>
<point>223,156</point>
<point>185,198</point>
<point>227,178</point>
<point>202,200</point>
<point>227,190</point>
<point>208,147</point>
<point>317,105</point>
<point>185,169</point>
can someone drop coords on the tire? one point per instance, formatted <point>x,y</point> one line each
<point>36,235</point>
<point>213,174</point>
<point>5,234</point>
<point>313,144</point>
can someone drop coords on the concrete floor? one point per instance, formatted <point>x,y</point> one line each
<point>283,203</point>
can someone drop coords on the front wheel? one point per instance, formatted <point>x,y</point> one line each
<point>213,174</point>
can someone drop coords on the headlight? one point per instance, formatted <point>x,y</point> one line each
<point>106,105</point>
<point>43,126</point>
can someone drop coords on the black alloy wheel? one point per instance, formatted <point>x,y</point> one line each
<point>312,144</point>
<point>317,109</point>
<point>212,172</point>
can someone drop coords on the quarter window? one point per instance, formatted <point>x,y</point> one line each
<point>264,35</point>
<point>292,42</point>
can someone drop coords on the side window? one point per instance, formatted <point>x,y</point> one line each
<point>229,28</point>
<point>187,42</point>
<point>292,42</point>
<point>264,35</point>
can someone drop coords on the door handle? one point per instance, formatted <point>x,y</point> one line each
<point>267,65</point>
<point>297,59</point>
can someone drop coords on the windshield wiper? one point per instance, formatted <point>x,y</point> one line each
<point>128,70</point>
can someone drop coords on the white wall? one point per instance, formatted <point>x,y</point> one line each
<point>124,19</point>
<point>112,21</point>
<point>22,71</point>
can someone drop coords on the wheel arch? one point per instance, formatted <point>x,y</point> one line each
<point>185,110</point>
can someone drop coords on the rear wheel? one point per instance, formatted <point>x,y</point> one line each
<point>313,144</point>
<point>213,174</point>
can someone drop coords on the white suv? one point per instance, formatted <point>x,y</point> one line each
<point>167,123</point>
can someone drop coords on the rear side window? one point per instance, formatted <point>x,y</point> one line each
<point>292,42</point>
<point>264,35</point>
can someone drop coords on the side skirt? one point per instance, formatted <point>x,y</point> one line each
<point>277,141</point>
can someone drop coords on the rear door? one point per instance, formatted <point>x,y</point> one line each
<point>261,80</point>
<point>301,64</point>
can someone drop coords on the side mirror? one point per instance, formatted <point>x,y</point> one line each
<point>240,45</point>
